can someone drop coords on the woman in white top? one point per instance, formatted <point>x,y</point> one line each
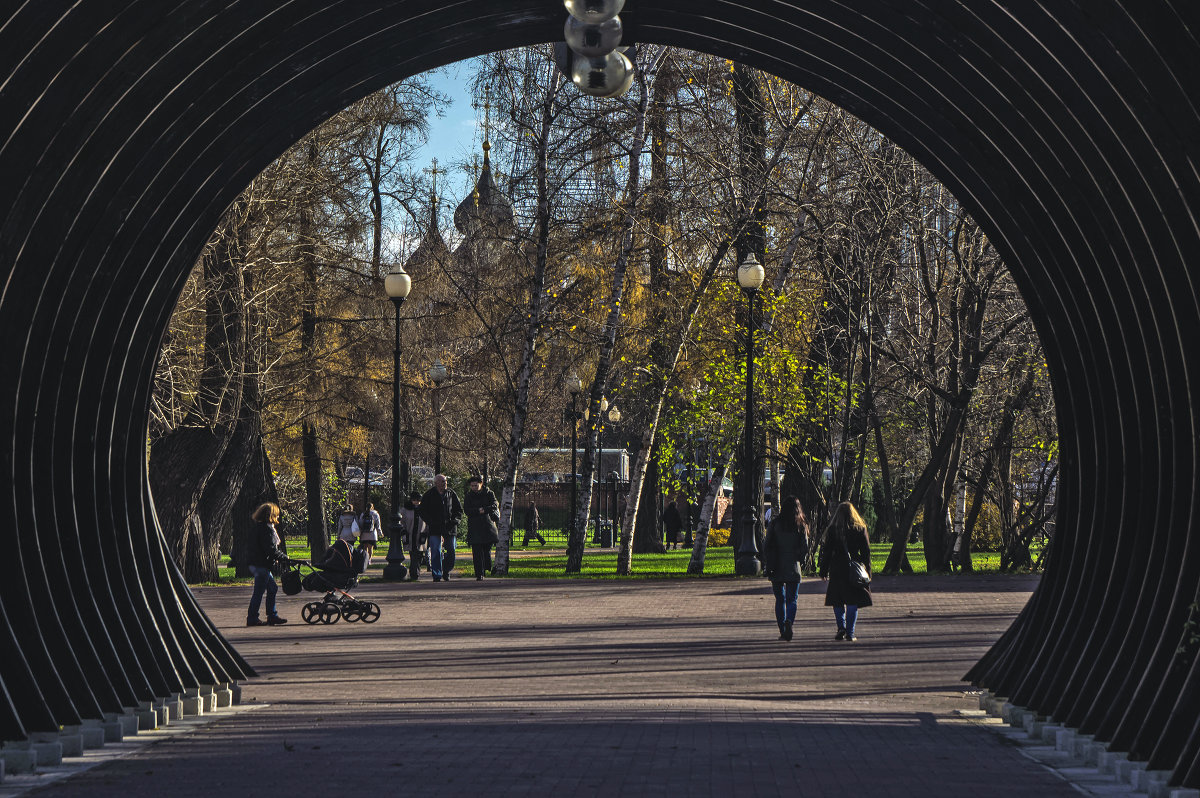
<point>370,528</point>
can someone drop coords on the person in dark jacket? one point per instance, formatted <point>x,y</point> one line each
<point>784,551</point>
<point>672,524</point>
<point>483,513</point>
<point>845,540</point>
<point>266,549</point>
<point>441,511</point>
<point>414,530</point>
<point>533,525</point>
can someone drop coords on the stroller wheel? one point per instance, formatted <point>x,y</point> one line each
<point>330,613</point>
<point>311,613</point>
<point>370,613</point>
<point>352,611</point>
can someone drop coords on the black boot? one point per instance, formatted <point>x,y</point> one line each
<point>841,635</point>
<point>782,631</point>
<point>787,631</point>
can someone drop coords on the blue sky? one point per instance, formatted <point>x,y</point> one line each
<point>453,138</point>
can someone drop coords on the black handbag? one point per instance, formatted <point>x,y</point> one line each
<point>290,581</point>
<point>859,575</point>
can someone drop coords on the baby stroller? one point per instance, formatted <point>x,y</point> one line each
<point>335,574</point>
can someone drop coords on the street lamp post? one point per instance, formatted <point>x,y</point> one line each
<point>574,386</point>
<point>397,284</point>
<point>437,375</point>
<point>614,417</point>
<point>595,480</point>
<point>746,563</point>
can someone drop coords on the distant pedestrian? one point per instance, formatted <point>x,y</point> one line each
<point>784,551</point>
<point>687,511</point>
<point>441,511</point>
<point>370,529</point>
<point>414,536</point>
<point>533,525</point>
<point>483,513</point>
<point>846,540</point>
<point>346,526</point>
<point>672,524</point>
<point>266,549</point>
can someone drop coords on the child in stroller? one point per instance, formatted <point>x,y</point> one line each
<point>336,573</point>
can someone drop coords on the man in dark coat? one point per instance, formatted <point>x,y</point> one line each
<point>533,525</point>
<point>441,511</point>
<point>483,513</point>
<point>672,523</point>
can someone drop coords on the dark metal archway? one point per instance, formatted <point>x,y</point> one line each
<point>1069,129</point>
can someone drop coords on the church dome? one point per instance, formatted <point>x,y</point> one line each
<point>485,209</point>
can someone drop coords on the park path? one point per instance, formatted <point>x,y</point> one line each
<point>558,688</point>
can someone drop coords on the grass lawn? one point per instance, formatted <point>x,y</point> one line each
<point>539,564</point>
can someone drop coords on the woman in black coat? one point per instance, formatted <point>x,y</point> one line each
<point>845,540</point>
<point>784,551</point>
<point>266,549</point>
<point>672,524</point>
<point>482,512</point>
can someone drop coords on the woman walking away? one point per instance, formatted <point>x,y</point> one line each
<point>784,552</point>
<point>482,511</point>
<point>370,529</point>
<point>347,525</point>
<point>265,550</point>
<point>845,541</point>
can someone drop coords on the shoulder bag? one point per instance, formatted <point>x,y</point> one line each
<point>859,575</point>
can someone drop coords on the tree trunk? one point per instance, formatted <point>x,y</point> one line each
<point>575,541</point>
<point>316,526</point>
<point>318,536</point>
<point>647,537</point>
<point>183,460</point>
<point>258,487</point>
<point>533,332</point>
<point>700,543</point>
<point>181,463</point>
<point>219,498</point>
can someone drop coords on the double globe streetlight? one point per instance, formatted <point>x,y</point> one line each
<point>397,285</point>
<point>746,563</point>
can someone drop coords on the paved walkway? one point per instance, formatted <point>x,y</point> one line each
<point>673,688</point>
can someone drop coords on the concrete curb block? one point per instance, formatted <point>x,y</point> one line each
<point>47,746</point>
<point>1077,758</point>
<point>17,759</point>
<point>27,766</point>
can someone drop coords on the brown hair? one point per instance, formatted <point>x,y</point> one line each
<point>789,509</point>
<point>267,511</point>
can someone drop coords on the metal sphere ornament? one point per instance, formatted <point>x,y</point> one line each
<point>610,76</point>
<point>594,11</point>
<point>592,41</point>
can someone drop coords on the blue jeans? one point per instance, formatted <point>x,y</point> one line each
<point>264,582</point>
<point>846,616</point>
<point>439,557</point>
<point>785,601</point>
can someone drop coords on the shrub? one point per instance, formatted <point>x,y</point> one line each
<point>718,537</point>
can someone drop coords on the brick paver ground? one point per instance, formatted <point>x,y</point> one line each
<point>673,687</point>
